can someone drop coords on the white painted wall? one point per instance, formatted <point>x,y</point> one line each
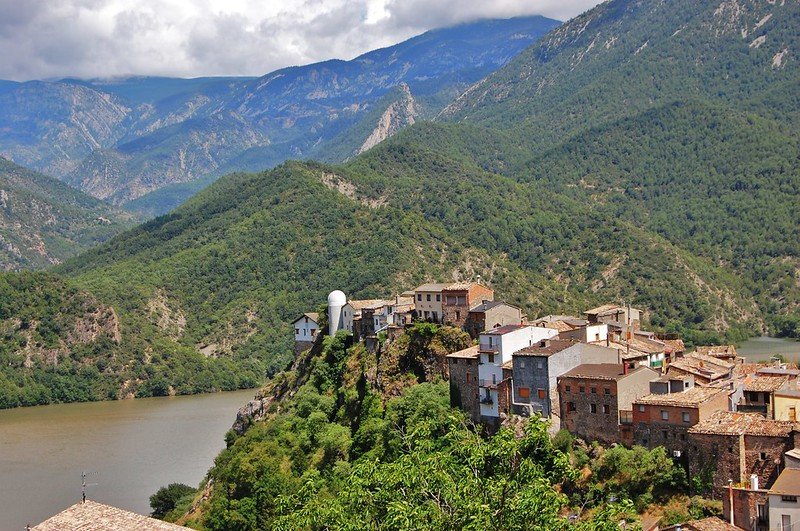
<point>779,508</point>
<point>305,329</point>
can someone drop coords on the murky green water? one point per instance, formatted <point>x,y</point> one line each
<point>133,446</point>
<point>761,348</point>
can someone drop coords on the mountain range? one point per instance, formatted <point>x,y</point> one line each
<point>643,152</point>
<point>122,139</point>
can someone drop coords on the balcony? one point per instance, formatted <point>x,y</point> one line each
<point>486,348</point>
<point>488,384</point>
<point>487,400</point>
<point>626,417</point>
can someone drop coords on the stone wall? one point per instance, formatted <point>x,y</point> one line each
<point>464,392</point>
<point>593,416</point>
<point>745,508</point>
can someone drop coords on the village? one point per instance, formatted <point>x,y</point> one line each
<point>731,424</point>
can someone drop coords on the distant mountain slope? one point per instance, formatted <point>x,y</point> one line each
<point>121,139</point>
<point>626,56</point>
<point>43,221</point>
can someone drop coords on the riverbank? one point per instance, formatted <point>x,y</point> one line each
<point>761,348</point>
<point>132,447</point>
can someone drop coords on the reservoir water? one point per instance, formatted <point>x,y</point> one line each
<point>761,348</point>
<point>130,447</point>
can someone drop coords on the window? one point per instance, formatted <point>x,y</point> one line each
<point>522,364</point>
<point>593,408</point>
<point>438,297</point>
<point>427,314</point>
<point>542,394</point>
<point>641,408</point>
<point>539,365</point>
<point>494,379</point>
<point>524,392</point>
<point>458,315</point>
<point>762,512</point>
<point>567,388</point>
<point>491,358</point>
<point>305,332</point>
<point>594,390</point>
<point>763,456</point>
<point>685,416</point>
<point>683,436</point>
<point>581,389</point>
<point>570,406</point>
<point>790,499</point>
<point>664,415</point>
<point>606,409</point>
<point>664,434</point>
<point>297,331</point>
<point>419,297</point>
<point>606,391</point>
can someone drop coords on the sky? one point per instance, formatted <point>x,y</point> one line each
<point>103,38</point>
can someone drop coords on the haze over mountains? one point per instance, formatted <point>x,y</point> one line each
<point>645,151</point>
<point>119,140</point>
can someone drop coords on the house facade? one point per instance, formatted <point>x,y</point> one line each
<point>459,298</point>
<point>492,314</point>
<point>306,328</point>
<point>428,302</point>
<point>596,400</point>
<point>784,507</point>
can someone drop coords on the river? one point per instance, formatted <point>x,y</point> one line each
<point>761,348</point>
<point>130,447</point>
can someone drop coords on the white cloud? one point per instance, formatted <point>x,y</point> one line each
<point>94,38</point>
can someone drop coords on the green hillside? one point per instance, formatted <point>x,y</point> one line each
<point>43,221</point>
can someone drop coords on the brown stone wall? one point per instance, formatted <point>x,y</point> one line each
<point>767,469</point>
<point>464,390</point>
<point>651,431</point>
<point>457,314</point>
<point>579,420</point>
<point>745,508</point>
<point>715,459</point>
<point>302,346</point>
<point>504,397</point>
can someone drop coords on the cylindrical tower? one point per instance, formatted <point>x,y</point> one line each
<point>336,300</point>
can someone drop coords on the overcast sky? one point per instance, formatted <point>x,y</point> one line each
<point>190,38</point>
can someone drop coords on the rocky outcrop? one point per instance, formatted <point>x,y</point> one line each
<point>400,113</point>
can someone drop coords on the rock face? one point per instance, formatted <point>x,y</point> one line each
<point>399,114</point>
<point>123,139</point>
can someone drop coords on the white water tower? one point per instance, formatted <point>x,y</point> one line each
<point>336,300</point>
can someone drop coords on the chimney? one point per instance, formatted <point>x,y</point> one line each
<point>625,368</point>
<point>753,481</point>
<point>730,498</point>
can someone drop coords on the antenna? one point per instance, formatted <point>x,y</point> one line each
<point>84,475</point>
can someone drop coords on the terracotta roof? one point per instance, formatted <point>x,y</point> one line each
<point>431,287</point>
<point>733,423</point>
<point>561,326</point>
<point>314,316</point>
<point>505,329</point>
<point>508,365</point>
<point>378,305</point>
<point>600,371</point>
<point>604,309</point>
<point>463,286</point>
<point>638,347</point>
<point>718,351</point>
<point>711,523</point>
<point>676,345</point>
<point>767,371</point>
<point>361,304</point>
<point>550,347</point>
<point>702,365</point>
<point>765,384</point>
<point>98,517</point>
<point>692,397</point>
<point>788,483</point>
<point>488,305</point>
<point>551,318</point>
<point>471,353</point>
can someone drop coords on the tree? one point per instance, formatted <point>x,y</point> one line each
<point>167,498</point>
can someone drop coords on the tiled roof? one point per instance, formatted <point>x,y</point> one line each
<point>638,347</point>
<point>711,523</point>
<point>488,305</point>
<point>606,308</point>
<point>550,347</point>
<point>676,345</point>
<point>505,329</point>
<point>311,315</point>
<point>365,303</point>
<point>718,351</point>
<point>471,352</point>
<point>788,483</point>
<point>432,287</point>
<point>765,384</point>
<point>692,397</point>
<point>734,423</point>
<point>600,371</point>
<point>98,517</point>
<point>702,365</point>
<point>463,285</point>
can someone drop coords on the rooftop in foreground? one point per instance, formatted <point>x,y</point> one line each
<point>692,397</point>
<point>731,423</point>
<point>788,483</point>
<point>99,517</point>
<point>469,353</point>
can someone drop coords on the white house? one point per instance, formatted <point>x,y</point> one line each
<point>306,327</point>
<point>784,508</point>
<point>495,348</point>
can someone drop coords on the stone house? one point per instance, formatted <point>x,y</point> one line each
<point>750,506</point>
<point>784,507</point>
<point>615,315</point>
<point>351,316</point>
<point>759,394</point>
<point>492,314</point>
<point>732,445</point>
<point>588,333</point>
<point>459,298</point>
<point>495,348</point>
<point>463,375</point>
<point>665,419</point>
<point>306,328</point>
<point>723,352</point>
<point>428,302</point>
<point>596,400</point>
<point>536,369</point>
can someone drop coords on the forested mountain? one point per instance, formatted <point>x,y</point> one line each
<point>43,221</point>
<point>122,139</point>
<point>685,205</point>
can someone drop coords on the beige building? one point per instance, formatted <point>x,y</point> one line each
<point>428,301</point>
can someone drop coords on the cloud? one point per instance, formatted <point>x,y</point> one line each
<point>100,38</point>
